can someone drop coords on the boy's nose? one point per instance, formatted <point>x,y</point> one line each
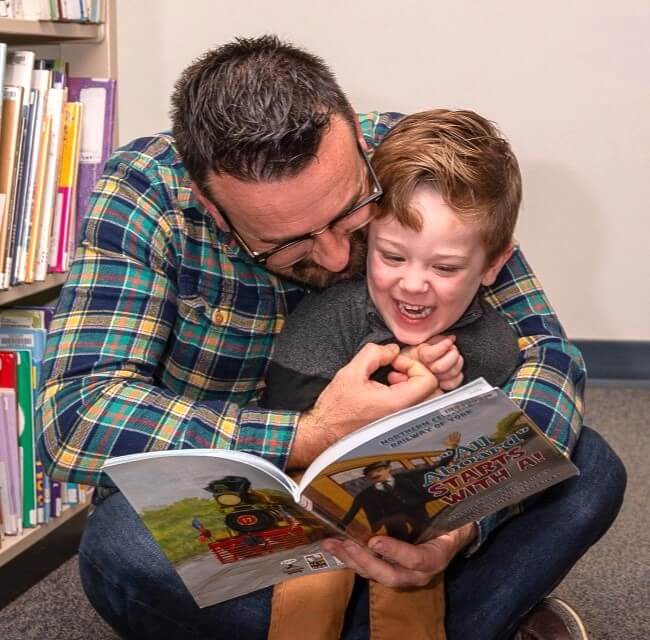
<point>331,251</point>
<point>414,281</point>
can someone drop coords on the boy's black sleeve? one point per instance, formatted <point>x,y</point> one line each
<point>317,340</point>
<point>489,348</point>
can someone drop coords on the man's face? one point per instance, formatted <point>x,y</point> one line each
<point>422,281</point>
<point>267,214</point>
<point>381,474</point>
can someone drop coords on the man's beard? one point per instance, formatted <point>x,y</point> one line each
<point>312,275</point>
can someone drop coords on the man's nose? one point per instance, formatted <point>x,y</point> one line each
<point>331,251</point>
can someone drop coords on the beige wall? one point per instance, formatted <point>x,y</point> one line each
<point>567,81</point>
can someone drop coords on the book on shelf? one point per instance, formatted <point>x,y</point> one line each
<point>9,451</point>
<point>231,522</point>
<point>54,110</point>
<point>41,78</point>
<point>65,203</point>
<point>10,142</point>
<point>18,73</point>
<point>26,441</point>
<point>98,98</point>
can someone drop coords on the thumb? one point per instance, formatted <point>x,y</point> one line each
<point>372,357</point>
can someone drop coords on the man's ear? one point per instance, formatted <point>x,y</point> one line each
<point>210,208</point>
<point>359,135</point>
<point>492,271</point>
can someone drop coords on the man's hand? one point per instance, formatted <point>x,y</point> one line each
<point>441,356</point>
<point>353,400</point>
<point>401,564</point>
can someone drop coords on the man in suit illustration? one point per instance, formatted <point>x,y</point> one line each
<point>395,502</point>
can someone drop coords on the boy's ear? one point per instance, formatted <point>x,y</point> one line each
<point>492,271</point>
<point>210,208</point>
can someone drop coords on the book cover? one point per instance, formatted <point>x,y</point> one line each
<point>10,143</point>
<point>25,401</point>
<point>413,475</point>
<point>98,98</point>
<point>9,455</point>
<point>28,317</point>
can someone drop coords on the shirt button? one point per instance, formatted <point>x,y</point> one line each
<point>217,316</point>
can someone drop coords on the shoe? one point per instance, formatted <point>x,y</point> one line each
<point>552,619</point>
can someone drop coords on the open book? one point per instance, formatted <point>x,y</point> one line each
<point>231,522</point>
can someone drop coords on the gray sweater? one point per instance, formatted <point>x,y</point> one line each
<point>328,328</point>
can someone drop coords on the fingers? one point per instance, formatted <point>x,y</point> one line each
<point>430,353</point>
<point>370,358</point>
<point>401,564</point>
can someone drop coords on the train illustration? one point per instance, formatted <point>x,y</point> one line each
<point>255,523</point>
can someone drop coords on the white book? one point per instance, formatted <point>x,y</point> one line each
<point>54,109</point>
<point>41,79</point>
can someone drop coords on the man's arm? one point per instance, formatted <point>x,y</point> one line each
<point>101,394</point>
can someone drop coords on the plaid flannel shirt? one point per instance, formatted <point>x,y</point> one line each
<point>164,330</point>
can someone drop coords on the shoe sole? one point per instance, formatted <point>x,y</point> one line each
<point>570,617</point>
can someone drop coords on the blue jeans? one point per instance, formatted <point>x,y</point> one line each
<point>135,589</point>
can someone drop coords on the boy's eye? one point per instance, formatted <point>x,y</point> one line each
<point>392,257</point>
<point>446,268</point>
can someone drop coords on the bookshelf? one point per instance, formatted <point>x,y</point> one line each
<point>90,50</point>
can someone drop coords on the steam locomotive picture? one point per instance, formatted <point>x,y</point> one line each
<point>255,523</point>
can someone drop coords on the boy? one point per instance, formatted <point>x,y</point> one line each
<point>443,229</point>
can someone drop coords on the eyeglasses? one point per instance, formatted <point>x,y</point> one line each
<point>292,251</point>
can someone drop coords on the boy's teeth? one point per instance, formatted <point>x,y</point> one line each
<point>413,310</point>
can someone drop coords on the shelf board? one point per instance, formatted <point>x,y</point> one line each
<point>13,546</point>
<point>21,291</point>
<point>44,32</point>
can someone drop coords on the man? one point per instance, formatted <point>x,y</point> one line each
<point>194,250</point>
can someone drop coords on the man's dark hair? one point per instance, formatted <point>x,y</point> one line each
<point>256,109</point>
<point>380,464</point>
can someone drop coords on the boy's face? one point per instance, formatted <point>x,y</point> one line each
<point>422,281</point>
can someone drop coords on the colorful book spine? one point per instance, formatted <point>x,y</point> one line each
<point>10,456</point>
<point>54,109</point>
<point>25,397</point>
<point>66,192</point>
<point>98,98</point>
<point>10,142</point>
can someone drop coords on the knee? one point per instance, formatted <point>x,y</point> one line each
<point>601,483</point>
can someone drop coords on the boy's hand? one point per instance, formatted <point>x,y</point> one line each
<point>352,399</point>
<point>441,356</point>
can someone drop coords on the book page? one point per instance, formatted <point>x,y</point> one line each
<point>438,470</point>
<point>396,421</point>
<point>227,524</point>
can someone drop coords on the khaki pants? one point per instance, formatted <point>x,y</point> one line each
<point>313,608</point>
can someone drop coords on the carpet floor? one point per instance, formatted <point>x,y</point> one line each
<point>609,587</point>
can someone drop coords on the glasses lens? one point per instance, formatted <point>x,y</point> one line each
<point>356,220</point>
<point>290,255</point>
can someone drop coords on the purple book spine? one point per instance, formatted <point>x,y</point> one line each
<point>55,499</point>
<point>98,98</point>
